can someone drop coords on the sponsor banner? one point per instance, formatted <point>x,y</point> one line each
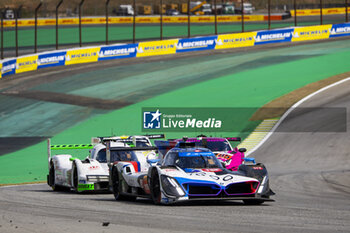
<point>68,21</point>
<point>174,19</point>
<point>0,70</point>
<point>25,64</point>
<point>235,40</point>
<point>340,30</point>
<point>196,44</point>
<point>77,56</point>
<point>8,67</point>
<point>154,48</point>
<point>325,11</point>
<point>138,19</point>
<point>51,59</point>
<point>311,33</point>
<point>202,19</point>
<point>118,51</point>
<point>252,18</point>
<point>120,20</point>
<point>144,19</point>
<point>274,36</point>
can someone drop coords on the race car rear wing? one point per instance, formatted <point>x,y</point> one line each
<point>232,139</point>
<point>154,136</point>
<point>65,147</point>
<point>165,146</point>
<point>235,139</point>
<point>96,140</point>
<point>109,149</point>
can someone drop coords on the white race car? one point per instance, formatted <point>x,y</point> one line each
<point>91,174</point>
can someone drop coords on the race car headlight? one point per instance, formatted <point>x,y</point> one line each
<point>171,187</point>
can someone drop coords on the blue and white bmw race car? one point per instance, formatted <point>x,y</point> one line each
<point>186,173</point>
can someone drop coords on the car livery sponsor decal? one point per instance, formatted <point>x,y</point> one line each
<point>196,44</point>
<point>195,154</point>
<point>274,36</point>
<point>340,30</point>
<point>311,33</point>
<point>77,56</point>
<point>156,48</point>
<point>51,59</point>
<point>118,51</point>
<point>212,170</point>
<point>235,40</point>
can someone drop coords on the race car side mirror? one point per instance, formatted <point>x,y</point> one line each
<point>242,150</point>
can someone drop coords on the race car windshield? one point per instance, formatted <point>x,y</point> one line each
<point>214,145</point>
<point>123,156</point>
<point>116,156</point>
<point>101,156</point>
<point>192,160</point>
<point>139,142</point>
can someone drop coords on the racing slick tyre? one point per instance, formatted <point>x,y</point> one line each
<point>116,188</point>
<point>51,179</point>
<point>75,178</point>
<point>155,187</point>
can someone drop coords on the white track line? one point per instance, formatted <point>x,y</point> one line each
<point>16,185</point>
<point>291,109</point>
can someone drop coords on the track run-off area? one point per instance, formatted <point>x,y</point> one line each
<point>311,182</point>
<point>308,171</point>
<point>72,104</point>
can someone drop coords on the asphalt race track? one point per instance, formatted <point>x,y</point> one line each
<point>309,172</point>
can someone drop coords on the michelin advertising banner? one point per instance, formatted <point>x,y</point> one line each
<point>196,44</point>
<point>25,64</point>
<point>235,40</point>
<point>340,30</point>
<point>117,51</point>
<point>77,56</point>
<point>155,48</point>
<point>8,67</point>
<point>274,36</point>
<point>311,33</point>
<point>51,59</point>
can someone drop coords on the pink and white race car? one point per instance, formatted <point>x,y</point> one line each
<point>232,157</point>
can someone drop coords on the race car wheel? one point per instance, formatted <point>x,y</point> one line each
<point>155,187</point>
<point>54,186</point>
<point>75,178</point>
<point>116,186</point>
<point>253,202</point>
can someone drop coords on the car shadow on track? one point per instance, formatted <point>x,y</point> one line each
<point>144,201</point>
<point>108,197</point>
